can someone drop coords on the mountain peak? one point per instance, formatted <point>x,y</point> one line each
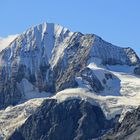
<point>51,57</point>
<point>48,60</point>
<point>48,28</point>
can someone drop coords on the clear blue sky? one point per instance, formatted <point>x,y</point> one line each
<point>116,21</point>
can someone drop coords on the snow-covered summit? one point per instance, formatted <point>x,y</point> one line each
<point>51,42</point>
<point>52,58</point>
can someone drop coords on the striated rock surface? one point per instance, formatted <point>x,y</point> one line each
<point>72,120</point>
<point>50,57</point>
<point>112,55</point>
<point>128,129</point>
<point>14,116</point>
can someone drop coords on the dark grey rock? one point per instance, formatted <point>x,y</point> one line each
<point>9,94</point>
<point>128,129</point>
<point>76,56</point>
<point>137,70</point>
<point>70,120</point>
<point>88,75</point>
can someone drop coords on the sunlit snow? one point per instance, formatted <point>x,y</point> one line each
<point>4,42</point>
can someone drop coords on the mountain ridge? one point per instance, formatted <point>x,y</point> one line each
<point>50,57</point>
<point>49,61</point>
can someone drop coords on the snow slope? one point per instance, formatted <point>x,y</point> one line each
<point>29,91</point>
<point>4,42</point>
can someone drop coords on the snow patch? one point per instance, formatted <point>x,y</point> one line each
<point>29,91</point>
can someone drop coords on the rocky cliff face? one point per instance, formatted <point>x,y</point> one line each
<point>137,70</point>
<point>128,129</point>
<point>112,55</point>
<point>71,120</point>
<point>50,57</point>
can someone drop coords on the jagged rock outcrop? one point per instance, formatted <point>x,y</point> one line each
<point>74,60</point>
<point>137,70</point>
<point>72,120</point>
<point>50,57</point>
<point>128,129</point>
<point>88,76</point>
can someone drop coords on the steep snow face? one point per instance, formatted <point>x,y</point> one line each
<point>130,83</point>
<point>5,42</point>
<point>35,46</point>
<point>111,54</point>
